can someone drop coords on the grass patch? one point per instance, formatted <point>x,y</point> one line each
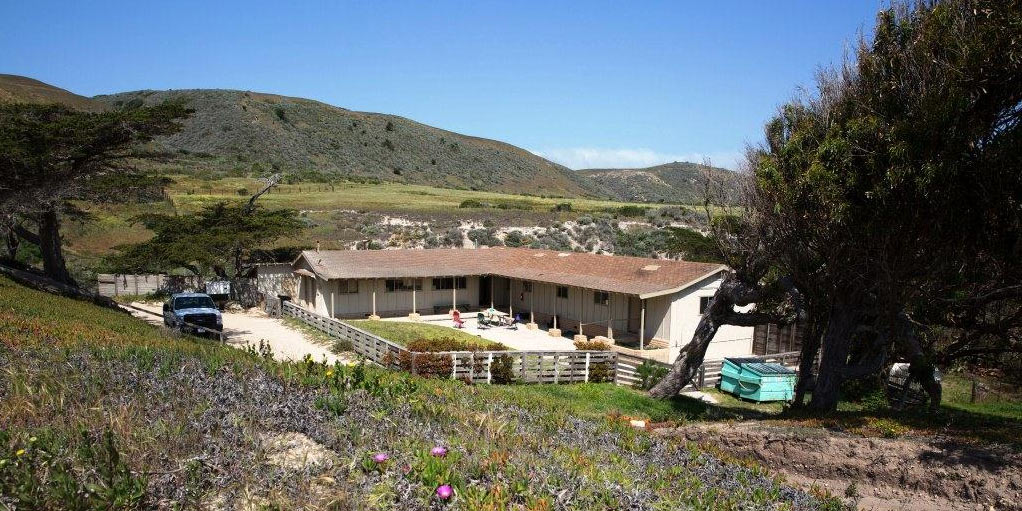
<point>401,332</point>
<point>318,336</point>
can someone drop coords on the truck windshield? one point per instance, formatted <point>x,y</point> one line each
<point>193,302</point>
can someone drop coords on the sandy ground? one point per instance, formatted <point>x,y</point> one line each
<point>520,339</point>
<point>248,328</point>
<point>909,473</point>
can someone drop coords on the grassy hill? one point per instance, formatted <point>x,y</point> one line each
<point>672,182</point>
<point>102,411</point>
<point>19,89</point>
<point>241,133</point>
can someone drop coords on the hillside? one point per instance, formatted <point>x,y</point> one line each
<point>118,411</point>
<point>237,132</point>
<point>678,182</point>
<point>19,89</point>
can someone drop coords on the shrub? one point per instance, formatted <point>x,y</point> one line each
<point>242,191</point>
<point>500,370</point>
<point>601,372</point>
<point>390,126</point>
<point>564,206</point>
<point>517,239</point>
<point>280,114</point>
<point>632,211</point>
<point>649,373</point>
<point>591,345</point>
<point>471,203</point>
<point>388,144</point>
<point>425,345</point>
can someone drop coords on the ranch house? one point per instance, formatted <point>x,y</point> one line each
<point>632,301</point>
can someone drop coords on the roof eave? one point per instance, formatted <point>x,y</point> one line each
<point>662,292</point>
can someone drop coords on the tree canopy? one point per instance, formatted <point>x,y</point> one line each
<point>221,239</point>
<point>51,153</point>
<point>888,203</point>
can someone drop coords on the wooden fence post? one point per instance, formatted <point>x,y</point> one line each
<point>489,366</point>
<point>454,365</point>
<point>587,367</point>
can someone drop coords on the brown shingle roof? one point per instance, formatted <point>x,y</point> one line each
<point>629,275</point>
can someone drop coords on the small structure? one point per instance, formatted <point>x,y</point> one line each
<point>632,301</point>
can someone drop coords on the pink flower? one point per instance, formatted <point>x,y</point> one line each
<point>438,451</point>
<point>381,457</point>
<point>445,492</point>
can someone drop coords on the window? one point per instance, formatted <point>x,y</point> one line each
<point>347,287</point>
<point>527,287</point>
<point>704,303</point>
<point>450,282</point>
<point>601,297</point>
<point>194,302</point>
<point>403,285</point>
<point>562,292</point>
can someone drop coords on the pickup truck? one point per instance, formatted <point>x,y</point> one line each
<point>193,312</point>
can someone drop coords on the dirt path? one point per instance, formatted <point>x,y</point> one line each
<point>243,329</point>
<point>884,474</point>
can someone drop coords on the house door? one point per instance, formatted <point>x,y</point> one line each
<point>634,311</point>
<point>485,285</point>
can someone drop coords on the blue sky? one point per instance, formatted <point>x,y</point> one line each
<point>588,84</point>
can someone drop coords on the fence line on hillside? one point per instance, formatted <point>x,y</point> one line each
<point>533,366</point>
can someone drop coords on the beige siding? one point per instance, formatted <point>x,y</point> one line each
<point>729,340</point>
<point>396,303</point>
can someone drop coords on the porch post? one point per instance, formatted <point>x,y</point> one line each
<point>491,290</point>
<point>333,290</point>
<point>374,316</point>
<point>579,336</point>
<point>415,310</point>
<point>642,324</point>
<point>610,316</point>
<point>510,296</point>
<point>454,293</point>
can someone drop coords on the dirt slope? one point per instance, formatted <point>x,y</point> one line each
<point>19,89</point>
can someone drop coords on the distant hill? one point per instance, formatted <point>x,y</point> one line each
<point>240,132</point>
<point>670,182</point>
<point>19,89</point>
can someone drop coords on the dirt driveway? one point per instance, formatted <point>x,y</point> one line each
<point>243,329</point>
<point>908,473</point>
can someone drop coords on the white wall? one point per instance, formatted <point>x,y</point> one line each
<point>729,341</point>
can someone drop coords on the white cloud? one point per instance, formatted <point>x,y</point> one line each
<point>624,158</point>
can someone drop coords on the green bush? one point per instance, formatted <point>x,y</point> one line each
<point>500,370</point>
<point>425,345</point>
<point>471,203</point>
<point>242,191</point>
<point>564,206</point>
<point>650,373</point>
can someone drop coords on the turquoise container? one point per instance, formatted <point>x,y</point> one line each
<point>750,378</point>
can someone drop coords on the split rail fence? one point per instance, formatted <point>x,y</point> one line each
<point>501,366</point>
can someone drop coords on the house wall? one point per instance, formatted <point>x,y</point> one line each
<point>729,340</point>
<point>388,303</point>
<point>578,306</point>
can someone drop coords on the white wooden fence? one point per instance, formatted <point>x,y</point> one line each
<point>473,366</point>
<point>507,366</point>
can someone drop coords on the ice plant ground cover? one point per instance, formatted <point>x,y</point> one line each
<point>99,410</point>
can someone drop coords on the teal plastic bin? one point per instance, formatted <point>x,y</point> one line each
<point>750,378</point>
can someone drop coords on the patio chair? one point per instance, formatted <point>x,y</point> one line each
<point>458,322</point>
<point>515,321</point>
<point>481,319</point>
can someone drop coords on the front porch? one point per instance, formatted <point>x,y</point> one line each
<point>520,339</point>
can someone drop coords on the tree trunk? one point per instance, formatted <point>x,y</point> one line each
<point>54,265</point>
<point>689,359</point>
<point>837,341</point>
<point>13,242</point>
<point>920,366</point>
<point>807,359</point>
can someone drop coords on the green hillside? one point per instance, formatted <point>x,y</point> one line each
<point>672,182</point>
<point>240,133</point>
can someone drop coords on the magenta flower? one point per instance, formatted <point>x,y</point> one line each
<point>438,451</point>
<point>445,492</point>
<point>381,457</point>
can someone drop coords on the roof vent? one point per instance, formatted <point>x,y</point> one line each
<point>651,267</point>
<point>563,254</point>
